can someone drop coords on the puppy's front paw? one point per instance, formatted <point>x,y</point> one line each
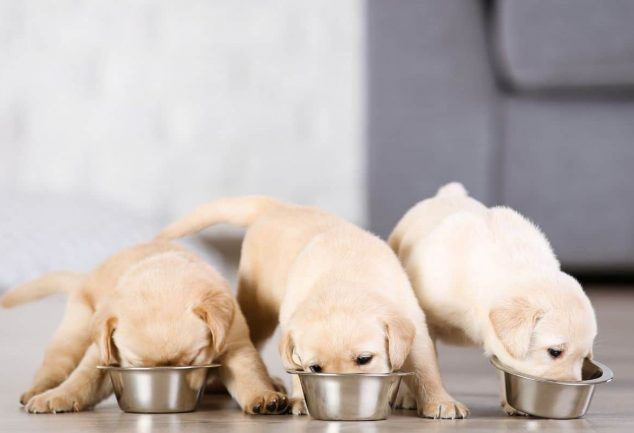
<point>270,403</point>
<point>298,406</point>
<point>510,410</point>
<point>444,408</point>
<point>53,402</point>
<point>405,399</point>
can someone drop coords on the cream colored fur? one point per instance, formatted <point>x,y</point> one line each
<point>487,276</point>
<point>337,292</point>
<point>149,305</point>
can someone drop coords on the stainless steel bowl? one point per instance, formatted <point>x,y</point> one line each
<point>158,389</point>
<point>345,397</point>
<point>551,398</point>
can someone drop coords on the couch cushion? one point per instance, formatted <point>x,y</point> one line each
<point>565,43</point>
<point>568,166</point>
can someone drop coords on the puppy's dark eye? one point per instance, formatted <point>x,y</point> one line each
<point>363,359</point>
<point>315,368</point>
<point>555,353</point>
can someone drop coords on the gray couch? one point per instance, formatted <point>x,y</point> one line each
<point>528,103</point>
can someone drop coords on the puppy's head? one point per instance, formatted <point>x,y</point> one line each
<point>346,339</point>
<point>164,331</point>
<point>546,332</point>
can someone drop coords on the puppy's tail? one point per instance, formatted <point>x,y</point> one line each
<point>453,189</point>
<point>48,284</point>
<point>238,211</point>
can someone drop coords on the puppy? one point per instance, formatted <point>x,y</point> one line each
<point>487,276</point>
<point>339,294</point>
<point>155,304</point>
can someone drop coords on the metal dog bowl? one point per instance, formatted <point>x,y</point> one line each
<point>158,389</point>
<point>551,398</point>
<point>345,397</point>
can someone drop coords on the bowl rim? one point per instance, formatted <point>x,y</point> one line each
<point>606,374</point>
<point>158,368</point>
<point>310,373</point>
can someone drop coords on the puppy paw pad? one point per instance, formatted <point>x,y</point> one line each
<point>271,403</point>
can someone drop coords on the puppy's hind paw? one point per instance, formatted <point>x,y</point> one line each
<point>405,400</point>
<point>444,409</point>
<point>510,410</point>
<point>298,406</point>
<point>271,403</point>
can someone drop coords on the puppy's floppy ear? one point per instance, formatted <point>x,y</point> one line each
<point>103,328</point>
<point>513,322</point>
<point>400,336</point>
<point>216,310</point>
<point>287,349</point>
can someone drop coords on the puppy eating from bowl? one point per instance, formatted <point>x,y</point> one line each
<point>342,299</point>
<point>488,277</point>
<point>155,304</point>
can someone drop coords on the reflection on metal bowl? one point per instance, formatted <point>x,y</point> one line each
<point>158,389</point>
<point>331,396</point>
<point>550,398</point>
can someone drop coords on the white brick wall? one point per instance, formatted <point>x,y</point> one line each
<point>157,105</point>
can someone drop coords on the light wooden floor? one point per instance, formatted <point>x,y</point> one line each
<point>24,331</point>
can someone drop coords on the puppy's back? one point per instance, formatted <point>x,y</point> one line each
<point>426,215</point>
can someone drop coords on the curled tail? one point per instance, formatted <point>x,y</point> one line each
<point>238,211</point>
<point>453,189</point>
<point>54,282</point>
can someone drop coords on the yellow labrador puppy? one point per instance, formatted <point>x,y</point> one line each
<point>155,304</point>
<point>340,295</point>
<point>488,276</point>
